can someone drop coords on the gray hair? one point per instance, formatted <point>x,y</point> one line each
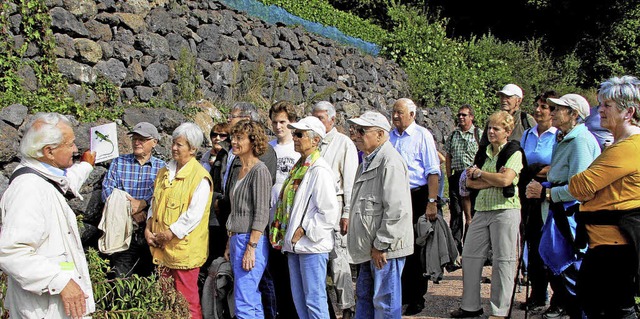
<point>312,135</point>
<point>247,109</point>
<point>411,106</point>
<point>191,132</point>
<point>625,91</point>
<point>43,130</point>
<point>325,106</point>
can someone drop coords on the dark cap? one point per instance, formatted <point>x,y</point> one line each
<point>145,129</point>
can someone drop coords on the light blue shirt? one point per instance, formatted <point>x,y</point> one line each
<point>54,170</point>
<point>418,149</point>
<point>538,149</point>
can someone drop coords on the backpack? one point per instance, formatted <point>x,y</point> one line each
<point>217,293</point>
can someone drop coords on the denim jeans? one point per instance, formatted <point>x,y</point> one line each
<point>308,274</point>
<point>379,291</point>
<point>245,284</point>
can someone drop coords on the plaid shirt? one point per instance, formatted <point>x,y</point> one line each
<point>491,198</point>
<point>462,146</point>
<point>126,173</point>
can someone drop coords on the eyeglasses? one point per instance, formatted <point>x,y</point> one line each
<point>235,116</point>
<point>299,134</point>
<point>222,135</point>
<point>361,130</point>
<point>462,114</point>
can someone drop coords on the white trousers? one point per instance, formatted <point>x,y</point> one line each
<point>498,230</point>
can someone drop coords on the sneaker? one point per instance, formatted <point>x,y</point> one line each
<point>554,312</point>
<point>461,313</point>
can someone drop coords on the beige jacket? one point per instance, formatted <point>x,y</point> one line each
<point>381,211</point>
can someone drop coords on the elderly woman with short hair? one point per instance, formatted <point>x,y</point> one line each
<point>247,248</point>
<point>496,223</point>
<point>306,211</point>
<point>177,228</point>
<point>608,189</point>
<point>574,152</point>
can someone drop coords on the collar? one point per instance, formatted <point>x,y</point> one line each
<point>470,130</point>
<point>183,172</point>
<point>54,170</point>
<point>534,130</point>
<point>410,130</point>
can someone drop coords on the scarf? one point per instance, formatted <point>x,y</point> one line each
<point>287,194</point>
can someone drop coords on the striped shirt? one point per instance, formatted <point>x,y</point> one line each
<point>127,174</point>
<point>250,201</point>
<point>491,198</point>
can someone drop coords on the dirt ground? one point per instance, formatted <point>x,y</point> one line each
<point>444,297</point>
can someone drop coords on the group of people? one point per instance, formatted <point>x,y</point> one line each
<point>562,192</point>
<point>293,212</point>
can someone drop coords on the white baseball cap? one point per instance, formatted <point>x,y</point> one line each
<point>573,101</point>
<point>372,118</point>
<point>511,90</point>
<point>309,123</point>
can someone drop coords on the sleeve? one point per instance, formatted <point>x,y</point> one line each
<point>261,194</point>
<point>613,164</point>
<point>319,224</point>
<point>430,156</point>
<point>270,159</point>
<point>395,197</point>
<point>515,163</point>
<point>582,157</point>
<point>25,227</point>
<point>349,171</point>
<point>190,219</point>
<point>77,175</point>
<point>110,181</point>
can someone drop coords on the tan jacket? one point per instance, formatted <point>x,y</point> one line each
<point>381,210</point>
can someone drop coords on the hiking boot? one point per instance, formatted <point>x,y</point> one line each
<point>413,309</point>
<point>532,305</point>
<point>554,312</point>
<point>461,313</point>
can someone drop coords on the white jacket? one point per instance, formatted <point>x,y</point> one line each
<point>40,248</point>
<point>315,208</point>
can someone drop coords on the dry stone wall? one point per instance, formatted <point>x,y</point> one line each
<point>137,46</point>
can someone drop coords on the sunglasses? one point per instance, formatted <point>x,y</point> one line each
<point>222,135</point>
<point>462,114</point>
<point>361,130</point>
<point>298,134</point>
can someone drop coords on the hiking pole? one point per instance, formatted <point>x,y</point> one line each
<point>515,282</point>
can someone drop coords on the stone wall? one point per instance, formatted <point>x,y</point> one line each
<point>137,46</point>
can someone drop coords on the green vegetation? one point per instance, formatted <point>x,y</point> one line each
<point>322,12</point>
<point>133,297</point>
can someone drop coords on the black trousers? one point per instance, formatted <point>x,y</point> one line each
<point>414,283</point>
<point>537,273</point>
<point>455,209</point>
<point>606,285</point>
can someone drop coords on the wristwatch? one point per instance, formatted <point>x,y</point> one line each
<point>433,200</point>
<point>548,195</point>
<point>252,245</point>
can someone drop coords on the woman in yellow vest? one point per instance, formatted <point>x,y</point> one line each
<point>177,230</point>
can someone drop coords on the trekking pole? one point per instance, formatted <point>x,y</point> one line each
<point>515,282</point>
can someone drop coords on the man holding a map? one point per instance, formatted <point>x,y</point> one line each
<point>135,173</point>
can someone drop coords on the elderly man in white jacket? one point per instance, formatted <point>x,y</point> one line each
<point>40,248</point>
<point>309,195</point>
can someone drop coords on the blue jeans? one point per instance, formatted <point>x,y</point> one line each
<point>245,284</point>
<point>379,291</point>
<point>308,273</point>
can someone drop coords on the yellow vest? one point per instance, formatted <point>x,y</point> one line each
<point>170,200</point>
